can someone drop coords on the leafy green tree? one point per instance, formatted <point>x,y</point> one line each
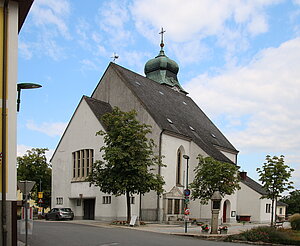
<point>293,202</point>
<point>275,176</point>
<point>129,158</point>
<point>33,166</point>
<point>212,175</point>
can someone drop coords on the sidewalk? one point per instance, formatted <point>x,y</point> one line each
<point>192,230</point>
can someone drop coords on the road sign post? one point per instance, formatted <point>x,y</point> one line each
<point>25,187</point>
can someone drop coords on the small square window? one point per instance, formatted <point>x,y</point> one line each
<point>106,199</point>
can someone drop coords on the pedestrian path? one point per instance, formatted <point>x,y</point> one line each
<point>192,230</point>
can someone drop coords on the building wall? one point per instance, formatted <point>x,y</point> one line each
<point>281,212</point>
<point>12,54</point>
<point>249,203</point>
<point>11,68</point>
<point>113,90</point>
<point>80,134</point>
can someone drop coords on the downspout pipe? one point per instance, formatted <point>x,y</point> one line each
<point>159,172</point>
<point>4,123</point>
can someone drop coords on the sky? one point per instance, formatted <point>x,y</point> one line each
<point>238,59</point>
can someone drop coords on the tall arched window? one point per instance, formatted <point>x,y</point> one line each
<point>178,168</point>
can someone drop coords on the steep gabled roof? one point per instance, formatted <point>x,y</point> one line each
<point>98,107</point>
<point>254,185</point>
<point>175,112</point>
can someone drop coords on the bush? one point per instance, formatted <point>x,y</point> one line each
<point>264,234</point>
<point>295,221</point>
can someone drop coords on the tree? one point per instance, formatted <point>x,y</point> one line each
<point>129,158</point>
<point>293,202</point>
<point>33,166</point>
<point>212,175</point>
<point>275,176</point>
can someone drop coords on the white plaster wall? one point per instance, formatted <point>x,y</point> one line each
<point>169,148</point>
<point>282,214</point>
<point>265,217</point>
<point>229,155</point>
<point>80,134</point>
<point>11,99</point>
<point>249,203</point>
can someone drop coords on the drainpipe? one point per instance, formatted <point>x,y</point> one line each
<point>159,172</point>
<point>4,135</point>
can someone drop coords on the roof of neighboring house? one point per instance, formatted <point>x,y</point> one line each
<point>24,7</point>
<point>175,112</point>
<point>254,185</point>
<point>280,203</point>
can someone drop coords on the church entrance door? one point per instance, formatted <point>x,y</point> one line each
<point>89,209</point>
<point>224,211</point>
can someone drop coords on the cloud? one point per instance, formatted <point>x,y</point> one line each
<point>25,51</point>
<point>21,151</point>
<point>262,97</point>
<point>51,13</point>
<point>87,64</point>
<point>112,19</point>
<point>202,18</point>
<point>48,24</point>
<point>50,129</point>
<point>229,24</point>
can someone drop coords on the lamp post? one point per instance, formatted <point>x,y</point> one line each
<point>186,192</point>
<point>22,86</point>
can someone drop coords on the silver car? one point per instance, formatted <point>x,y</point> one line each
<point>59,214</point>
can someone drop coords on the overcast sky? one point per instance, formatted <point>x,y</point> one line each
<point>239,60</point>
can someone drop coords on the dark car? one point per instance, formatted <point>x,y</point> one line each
<point>59,214</point>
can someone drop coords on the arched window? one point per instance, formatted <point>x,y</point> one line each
<point>178,168</point>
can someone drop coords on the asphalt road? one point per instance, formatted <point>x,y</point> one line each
<point>68,234</point>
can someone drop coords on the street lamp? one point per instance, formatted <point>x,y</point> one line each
<point>186,192</point>
<point>22,86</point>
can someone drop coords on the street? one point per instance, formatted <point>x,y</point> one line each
<point>61,233</point>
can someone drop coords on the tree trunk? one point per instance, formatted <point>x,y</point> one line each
<point>128,206</point>
<point>272,212</point>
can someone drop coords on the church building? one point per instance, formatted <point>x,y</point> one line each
<point>179,128</point>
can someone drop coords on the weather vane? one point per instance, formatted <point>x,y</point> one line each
<point>162,37</point>
<point>114,57</point>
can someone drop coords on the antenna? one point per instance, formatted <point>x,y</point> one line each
<point>115,57</point>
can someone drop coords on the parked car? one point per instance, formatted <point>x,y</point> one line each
<point>59,214</point>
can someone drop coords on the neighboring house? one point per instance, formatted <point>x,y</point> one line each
<point>179,127</point>
<point>281,210</point>
<point>12,17</point>
<point>250,203</point>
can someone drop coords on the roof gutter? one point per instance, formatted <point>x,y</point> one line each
<point>4,122</point>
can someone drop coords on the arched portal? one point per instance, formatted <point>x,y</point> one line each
<point>226,211</point>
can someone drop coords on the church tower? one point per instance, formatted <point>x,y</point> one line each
<point>163,70</point>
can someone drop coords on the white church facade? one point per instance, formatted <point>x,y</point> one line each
<point>179,127</point>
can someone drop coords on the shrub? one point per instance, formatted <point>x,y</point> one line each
<point>295,221</point>
<point>263,234</point>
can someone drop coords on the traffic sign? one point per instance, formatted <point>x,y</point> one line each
<point>187,211</point>
<point>41,200</point>
<point>26,186</point>
<point>40,195</point>
<point>187,192</point>
<point>186,200</point>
